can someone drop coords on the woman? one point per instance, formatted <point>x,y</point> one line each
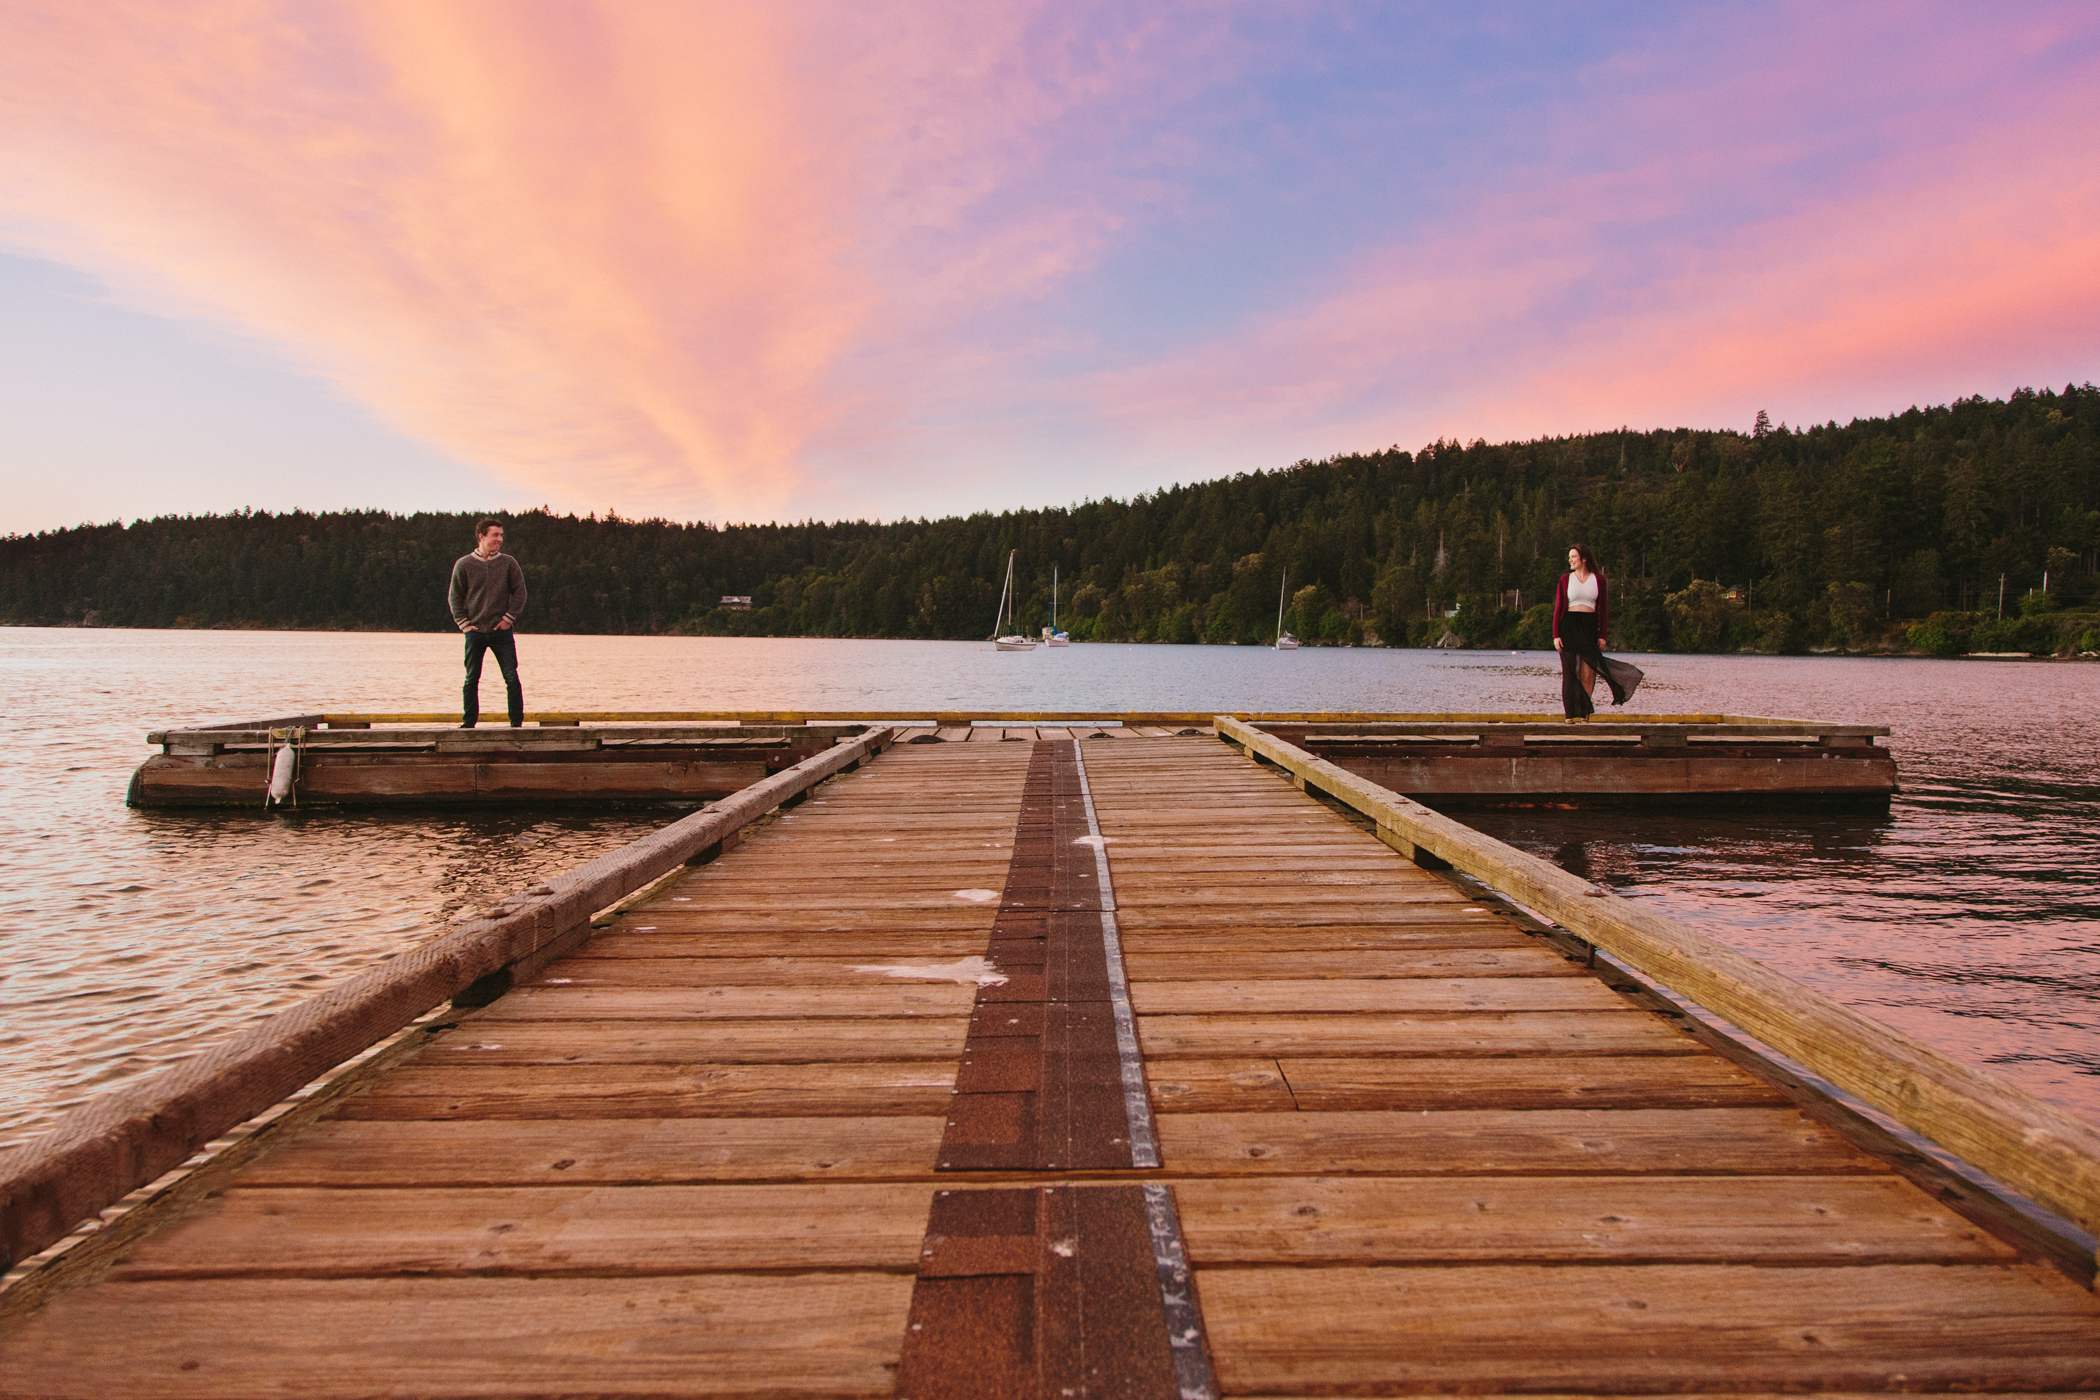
<point>1580,619</point>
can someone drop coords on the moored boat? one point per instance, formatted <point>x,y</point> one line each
<point>1051,636</point>
<point>1010,639</point>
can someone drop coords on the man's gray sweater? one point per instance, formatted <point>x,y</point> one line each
<point>485,592</point>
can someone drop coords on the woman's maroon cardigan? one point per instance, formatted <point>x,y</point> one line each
<point>1560,603</point>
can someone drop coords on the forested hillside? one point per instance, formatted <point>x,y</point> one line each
<point>1883,532</point>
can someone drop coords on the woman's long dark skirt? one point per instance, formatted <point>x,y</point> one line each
<point>1578,643</point>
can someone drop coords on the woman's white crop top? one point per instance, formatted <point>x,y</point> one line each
<point>1582,594</point>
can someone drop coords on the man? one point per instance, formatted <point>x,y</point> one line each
<point>487,594</point>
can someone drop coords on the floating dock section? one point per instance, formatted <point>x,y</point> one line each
<point>347,761</point>
<point>365,760</point>
<point>1521,759</point>
<point>1166,1067</point>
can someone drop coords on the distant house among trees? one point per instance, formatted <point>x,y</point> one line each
<point>736,602</point>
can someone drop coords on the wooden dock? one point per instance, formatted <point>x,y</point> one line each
<point>1525,759</point>
<point>396,759</point>
<point>868,1105</point>
<point>347,761</point>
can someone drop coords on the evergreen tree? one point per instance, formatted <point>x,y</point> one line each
<point>1823,536</point>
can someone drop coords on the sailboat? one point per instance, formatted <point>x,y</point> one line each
<point>1284,640</point>
<point>1051,636</point>
<point>1011,639</point>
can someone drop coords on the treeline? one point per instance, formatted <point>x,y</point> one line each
<point>1884,532</point>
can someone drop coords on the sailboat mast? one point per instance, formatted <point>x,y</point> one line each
<point>1280,587</point>
<point>1004,592</point>
<point>1053,597</point>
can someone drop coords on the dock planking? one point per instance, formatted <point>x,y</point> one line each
<point>1410,1148</point>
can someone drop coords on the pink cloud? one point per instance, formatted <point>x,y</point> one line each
<point>634,253</point>
<point>1935,268</point>
<point>615,252</point>
<point>604,268</point>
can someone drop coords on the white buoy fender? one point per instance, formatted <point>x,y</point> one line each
<point>281,773</point>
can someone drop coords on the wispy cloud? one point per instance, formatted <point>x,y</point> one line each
<point>587,247</point>
<point>1686,252</point>
<point>737,260</point>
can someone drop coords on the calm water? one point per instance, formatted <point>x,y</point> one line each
<point>1968,916</point>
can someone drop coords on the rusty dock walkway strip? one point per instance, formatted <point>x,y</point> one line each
<point>1406,1146</point>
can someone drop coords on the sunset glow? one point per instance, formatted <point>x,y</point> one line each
<point>750,262</point>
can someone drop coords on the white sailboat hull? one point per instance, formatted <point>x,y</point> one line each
<point>1060,640</point>
<point>1009,641</point>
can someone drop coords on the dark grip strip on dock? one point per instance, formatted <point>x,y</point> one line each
<point>1053,1291</point>
<point>1046,1069</point>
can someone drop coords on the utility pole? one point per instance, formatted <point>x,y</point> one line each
<point>2001,597</point>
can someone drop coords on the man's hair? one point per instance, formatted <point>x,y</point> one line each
<point>483,527</point>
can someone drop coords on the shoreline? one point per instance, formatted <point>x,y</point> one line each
<point>1817,653</point>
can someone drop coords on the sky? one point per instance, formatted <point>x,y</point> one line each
<point>830,260</point>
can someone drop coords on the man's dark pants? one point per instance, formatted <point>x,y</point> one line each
<point>505,645</point>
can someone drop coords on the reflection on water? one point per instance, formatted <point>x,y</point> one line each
<point>129,940</point>
<point>215,920</point>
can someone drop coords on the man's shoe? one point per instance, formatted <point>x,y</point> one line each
<point>467,725</point>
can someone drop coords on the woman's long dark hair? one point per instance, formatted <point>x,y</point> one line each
<point>1589,560</point>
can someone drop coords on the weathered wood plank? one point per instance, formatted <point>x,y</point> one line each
<point>1274,914</point>
<point>858,945</point>
<point>572,1091</point>
<point>1452,1033</point>
<point>309,1233</point>
<point>1319,938</point>
<point>1533,960</point>
<point>729,1003</point>
<point>1647,1081</point>
<point>806,972</point>
<point>966,916</point>
<point>1200,859</point>
<point>1390,994</point>
<point>1544,1142</point>
<point>1646,1219</point>
<point>1364,897</point>
<point>1219,1086</point>
<point>231,1339</point>
<point>923,871</point>
<point>629,1151</point>
<point>903,903</point>
<point>1656,1327</point>
<point>1171,882</point>
<point>801,1040</point>
<point>1173,975</point>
